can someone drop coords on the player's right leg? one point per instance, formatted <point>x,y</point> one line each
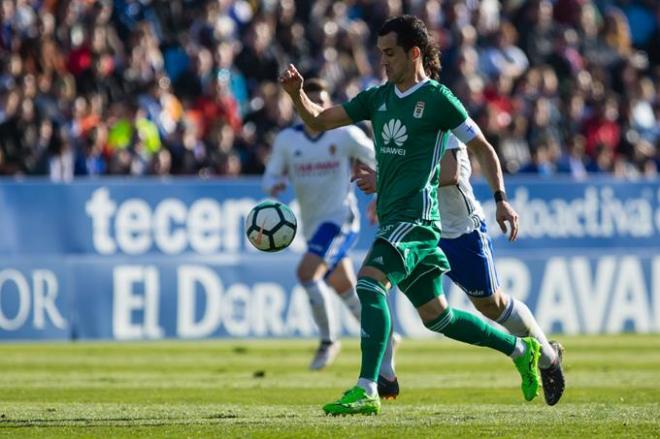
<point>375,322</point>
<point>329,264</point>
<point>342,278</point>
<point>310,272</point>
<point>324,250</point>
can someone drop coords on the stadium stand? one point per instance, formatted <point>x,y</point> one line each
<point>187,87</point>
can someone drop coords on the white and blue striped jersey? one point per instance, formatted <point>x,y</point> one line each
<point>319,169</point>
<point>460,212</point>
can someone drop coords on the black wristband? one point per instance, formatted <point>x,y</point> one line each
<point>499,196</point>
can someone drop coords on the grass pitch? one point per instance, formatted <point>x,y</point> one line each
<point>263,389</point>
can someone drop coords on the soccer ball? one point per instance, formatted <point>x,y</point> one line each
<point>271,226</point>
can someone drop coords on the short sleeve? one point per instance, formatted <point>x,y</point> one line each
<point>452,142</point>
<point>360,107</point>
<point>452,112</point>
<point>360,146</point>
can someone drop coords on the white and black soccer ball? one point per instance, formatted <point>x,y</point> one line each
<point>271,226</point>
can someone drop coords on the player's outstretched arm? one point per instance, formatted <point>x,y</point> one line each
<point>490,166</point>
<point>314,116</point>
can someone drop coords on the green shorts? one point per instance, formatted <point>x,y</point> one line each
<point>409,255</point>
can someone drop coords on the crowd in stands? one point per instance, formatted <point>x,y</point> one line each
<point>189,87</point>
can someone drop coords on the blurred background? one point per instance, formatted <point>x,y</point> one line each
<point>187,87</point>
<point>96,93</point>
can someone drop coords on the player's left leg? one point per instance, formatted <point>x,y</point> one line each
<point>517,318</point>
<point>473,270</point>
<point>424,289</point>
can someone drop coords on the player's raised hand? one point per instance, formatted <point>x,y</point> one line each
<point>291,80</point>
<point>365,177</point>
<point>506,214</point>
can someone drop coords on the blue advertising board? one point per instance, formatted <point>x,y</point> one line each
<point>174,217</point>
<point>149,259</point>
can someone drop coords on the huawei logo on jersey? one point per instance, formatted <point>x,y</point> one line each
<point>395,131</point>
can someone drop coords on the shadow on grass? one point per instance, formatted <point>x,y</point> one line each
<point>90,422</point>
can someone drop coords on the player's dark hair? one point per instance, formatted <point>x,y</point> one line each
<point>410,32</point>
<point>315,85</point>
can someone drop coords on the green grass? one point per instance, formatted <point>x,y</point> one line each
<point>262,389</point>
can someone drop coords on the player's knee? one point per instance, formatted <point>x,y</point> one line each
<point>374,273</point>
<point>489,310</point>
<point>491,307</point>
<point>307,272</point>
<point>372,293</point>
<point>341,285</point>
<point>432,309</point>
<point>304,274</point>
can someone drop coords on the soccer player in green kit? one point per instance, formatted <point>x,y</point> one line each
<point>410,115</point>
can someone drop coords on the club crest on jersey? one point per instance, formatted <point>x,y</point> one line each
<point>419,110</point>
<point>333,149</point>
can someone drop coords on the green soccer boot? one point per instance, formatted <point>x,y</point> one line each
<point>355,401</point>
<point>527,365</point>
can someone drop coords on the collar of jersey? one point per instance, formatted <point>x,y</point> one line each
<point>411,90</point>
<point>301,128</point>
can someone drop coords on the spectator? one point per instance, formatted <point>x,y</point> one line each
<point>543,126</point>
<point>89,160</point>
<point>504,57</point>
<point>540,163</point>
<point>188,87</point>
<point>602,129</point>
<point>603,161</point>
<point>513,148</point>
<point>258,60</point>
<point>61,158</point>
<point>572,162</point>
<point>537,30</point>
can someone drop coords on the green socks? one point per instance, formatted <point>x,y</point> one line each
<point>376,323</point>
<point>468,328</point>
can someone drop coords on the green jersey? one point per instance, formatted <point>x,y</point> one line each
<point>410,132</point>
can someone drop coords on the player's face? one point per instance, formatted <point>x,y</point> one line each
<point>397,63</point>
